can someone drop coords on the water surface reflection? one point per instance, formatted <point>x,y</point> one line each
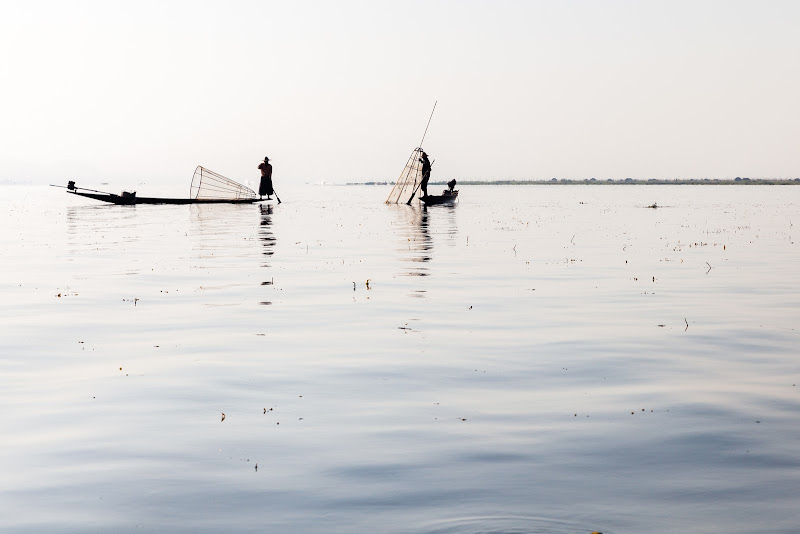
<point>265,234</point>
<point>417,245</point>
<point>575,365</point>
<point>267,239</point>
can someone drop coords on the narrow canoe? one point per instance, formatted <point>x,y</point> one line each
<point>448,198</point>
<point>131,199</point>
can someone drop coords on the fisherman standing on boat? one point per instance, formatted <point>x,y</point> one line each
<point>426,173</point>
<point>266,179</point>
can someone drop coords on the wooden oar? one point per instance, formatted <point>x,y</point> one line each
<point>412,194</point>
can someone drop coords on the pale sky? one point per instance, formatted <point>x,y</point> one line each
<point>143,91</point>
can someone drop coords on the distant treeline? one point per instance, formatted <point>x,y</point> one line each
<point>626,181</point>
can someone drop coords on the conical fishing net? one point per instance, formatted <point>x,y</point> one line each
<point>409,180</point>
<point>208,185</point>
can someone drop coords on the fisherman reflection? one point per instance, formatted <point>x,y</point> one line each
<point>416,244</point>
<point>265,232</point>
<point>426,173</point>
<point>267,238</point>
<point>424,228</point>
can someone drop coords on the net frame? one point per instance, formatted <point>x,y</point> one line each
<point>410,178</point>
<point>209,185</point>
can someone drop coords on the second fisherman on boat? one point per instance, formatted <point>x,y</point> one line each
<point>426,173</point>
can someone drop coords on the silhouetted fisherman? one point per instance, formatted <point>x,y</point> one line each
<point>426,173</point>
<point>451,185</point>
<point>265,188</point>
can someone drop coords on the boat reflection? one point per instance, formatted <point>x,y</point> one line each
<point>418,225</point>
<point>99,227</point>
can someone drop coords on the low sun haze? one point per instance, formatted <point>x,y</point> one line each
<point>342,91</point>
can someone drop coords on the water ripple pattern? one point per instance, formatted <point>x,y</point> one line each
<point>534,359</point>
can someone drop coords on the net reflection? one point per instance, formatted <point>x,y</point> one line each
<point>418,226</point>
<point>417,245</point>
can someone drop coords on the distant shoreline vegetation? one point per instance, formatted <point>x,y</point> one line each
<point>627,181</point>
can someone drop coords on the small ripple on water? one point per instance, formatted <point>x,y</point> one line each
<point>507,525</point>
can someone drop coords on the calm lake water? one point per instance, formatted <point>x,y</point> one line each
<point>545,359</point>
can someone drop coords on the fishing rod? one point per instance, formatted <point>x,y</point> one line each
<point>429,123</point>
<point>420,148</point>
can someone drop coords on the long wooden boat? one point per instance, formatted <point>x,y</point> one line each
<point>207,187</point>
<point>447,197</point>
<point>130,198</point>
